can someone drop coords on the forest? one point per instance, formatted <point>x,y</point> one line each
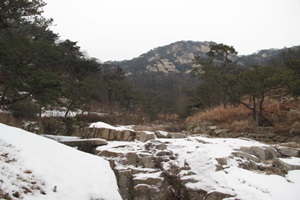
<point>40,71</point>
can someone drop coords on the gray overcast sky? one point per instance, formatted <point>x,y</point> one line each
<point>123,29</point>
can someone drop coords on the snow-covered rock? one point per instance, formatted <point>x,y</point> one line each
<point>202,168</point>
<point>109,132</point>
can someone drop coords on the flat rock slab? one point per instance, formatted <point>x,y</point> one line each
<point>85,142</point>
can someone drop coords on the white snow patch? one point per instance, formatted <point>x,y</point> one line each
<point>39,164</point>
<point>108,126</point>
<point>164,133</point>
<point>199,154</point>
<point>291,161</point>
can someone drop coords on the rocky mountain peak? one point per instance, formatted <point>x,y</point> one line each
<point>176,57</point>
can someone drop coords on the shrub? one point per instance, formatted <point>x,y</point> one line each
<point>222,115</point>
<point>49,125</point>
<point>10,120</point>
<point>24,110</point>
<point>283,115</point>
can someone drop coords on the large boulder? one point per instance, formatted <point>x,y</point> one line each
<point>110,134</point>
<point>284,165</point>
<point>263,153</point>
<point>124,179</point>
<point>86,145</point>
<point>288,151</point>
<point>144,136</point>
<point>246,156</point>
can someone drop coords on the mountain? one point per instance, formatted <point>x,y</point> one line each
<point>163,76</point>
<point>178,57</point>
<point>173,58</point>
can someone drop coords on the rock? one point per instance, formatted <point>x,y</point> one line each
<point>126,135</point>
<point>110,134</point>
<point>161,134</point>
<point>176,135</point>
<point>217,196</point>
<point>125,183</point>
<point>295,131</point>
<point>151,181</point>
<point>16,194</point>
<point>132,158</point>
<point>143,192</point>
<point>144,136</point>
<point>149,186</point>
<point>195,194</point>
<point>264,129</point>
<point>263,153</point>
<point>198,127</point>
<point>148,192</point>
<point>83,142</point>
<point>291,144</point>
<point>277,162</point>
<point>164,153</point>
<point>211,127</point>
<point>279,139</point>
<point>161,146</point>
<point>246,156</point>
<point>155,145</point>
<point>289,152</point>
<point>202,141</point>
<point>109,154</point>
<point>221,131</point>
<point>148,162</point>
<point>86,145</point>
<point>222,161</point>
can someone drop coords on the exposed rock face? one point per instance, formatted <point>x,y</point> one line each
<point>144,136</point>
<point>151,170</point>
<point>284,166</point>
<point>262,153</point>
<point>163,65</point>
<point>288,152</point>
<point>110,134</point>
<point>86,145</point>
<point>128,135</point>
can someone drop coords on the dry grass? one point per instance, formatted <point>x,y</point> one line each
<point>239,126</point>
<point>222,115</point>
<point>8,119</point>
<point>284,116</point>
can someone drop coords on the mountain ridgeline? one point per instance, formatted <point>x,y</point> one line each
<point>173,58</point>
<point>163,75</point>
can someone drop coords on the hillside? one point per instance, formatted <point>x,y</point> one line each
<point>173,58</point>
<point>163,76</point>
<point>178,57</point>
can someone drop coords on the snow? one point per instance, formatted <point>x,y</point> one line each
<point>32,166</point>
<point>164,133</point>
<point>62,112</point>
<point>291,161</point>
<point>145,176</point>
<point>61,137</point>
<point>241,183</point>
<point>198,155</point>
<point>108,126</point>
<point>57,113</point>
